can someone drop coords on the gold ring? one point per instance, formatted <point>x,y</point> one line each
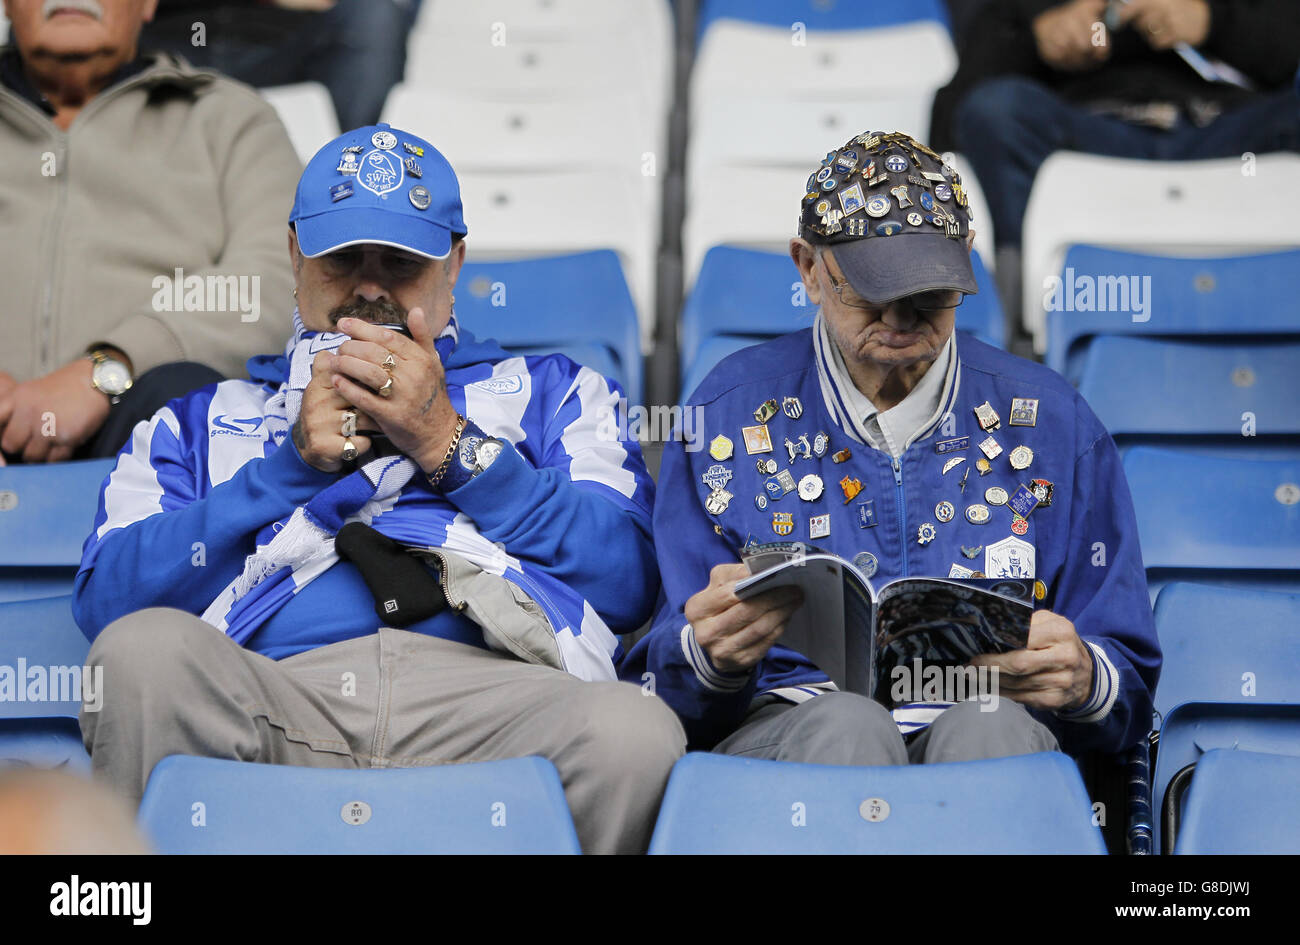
<point>389,363</point>
<point>387,390</point>
<point>349,450</point>
<point>349,423</point>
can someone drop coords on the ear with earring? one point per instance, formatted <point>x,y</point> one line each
<point>295,292</point>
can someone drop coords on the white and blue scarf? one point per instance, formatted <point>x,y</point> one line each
<point>292,552</point>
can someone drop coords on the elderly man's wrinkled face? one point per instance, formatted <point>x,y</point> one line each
<point>374,283</point>
<point>900,333</point>
<point>78,30</point>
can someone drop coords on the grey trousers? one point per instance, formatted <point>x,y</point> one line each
<point>843,728</point>
<point>176,685</point>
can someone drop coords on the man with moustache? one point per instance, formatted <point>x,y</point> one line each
<point>882,436</point>
<point>120,170</point>
<point>395,502</point>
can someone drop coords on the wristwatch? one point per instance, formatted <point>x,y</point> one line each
<point>109,375</point>
<point>477,453</point>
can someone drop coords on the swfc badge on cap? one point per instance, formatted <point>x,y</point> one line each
<point>382,203</point>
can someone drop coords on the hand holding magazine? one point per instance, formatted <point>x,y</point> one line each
<point>857,634</point>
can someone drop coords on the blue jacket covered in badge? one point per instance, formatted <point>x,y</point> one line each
<point>1083,546</point>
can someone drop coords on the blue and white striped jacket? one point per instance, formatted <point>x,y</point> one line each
<point>564,514</point>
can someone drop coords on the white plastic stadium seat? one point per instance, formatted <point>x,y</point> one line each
<point>785,133</point>
<point>647,23</point>
<point>609,133</point>
<point>1176,208</point>
<point>578,67</point>
<point>747,60</point>
<point>756,208</point>
<point>308,115</point>
<point>520,215</point>
<point>794,137</point>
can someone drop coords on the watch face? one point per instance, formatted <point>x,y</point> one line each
<point>112,377</point>
<point>488,451</point>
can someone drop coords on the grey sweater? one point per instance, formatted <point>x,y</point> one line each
<point>170,169</point>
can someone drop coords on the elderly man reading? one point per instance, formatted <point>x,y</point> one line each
<point>928,434</point>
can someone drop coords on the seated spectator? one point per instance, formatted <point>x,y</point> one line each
<point>902,408</point>
<point>1142,79</point>
<point>414,547</point>
<point>355,48</point>
<point>142,203</point>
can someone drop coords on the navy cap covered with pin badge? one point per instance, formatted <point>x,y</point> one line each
<point>895,214</point>
<point>382,185</point>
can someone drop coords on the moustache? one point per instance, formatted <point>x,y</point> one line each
<point>381,312</point>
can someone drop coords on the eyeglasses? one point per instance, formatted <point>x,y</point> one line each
<point>931,300</point>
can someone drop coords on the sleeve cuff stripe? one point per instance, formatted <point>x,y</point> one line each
<point>1105,689</point>
<point>707,675</point>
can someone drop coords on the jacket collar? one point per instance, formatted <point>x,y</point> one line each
<point>157,68</point>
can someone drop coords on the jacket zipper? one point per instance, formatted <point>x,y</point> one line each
<point>902,509</point>
<point>456,605</point>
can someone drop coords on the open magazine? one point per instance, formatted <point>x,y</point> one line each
<point>856,634</point>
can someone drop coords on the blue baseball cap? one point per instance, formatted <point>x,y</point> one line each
<point>382,185</point>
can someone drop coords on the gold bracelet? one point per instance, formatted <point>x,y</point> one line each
<point>435,477</point>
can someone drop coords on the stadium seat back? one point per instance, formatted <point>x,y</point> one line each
<point>531,307</point>
<point>207,805</point>
<point>522,216</point>
<point>42,659</point>
<point>820,14</point>
<point>307,112</point>
<point>1212,519</point>
<point>1242,802</point>
<point>1154,207</point>
<point>1192,729</point>
<point>46,512</point>
<point>737,60</point>
<point>1203,662</point>
<point>524,69</point>
<point>1203,393</point>
<point>1026,804</point>
<point>1111,292</point>
<point>639,31</point>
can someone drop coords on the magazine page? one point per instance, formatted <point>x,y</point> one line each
<point>946,622</point>
<point>817,628</point>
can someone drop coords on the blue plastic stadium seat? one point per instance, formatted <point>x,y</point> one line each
<point>207,805</point>
<point>46,511</point>
<point>1197,394</point>
<point>1212,637</point>
<point>1242,802</point>
<point>1227,678</point>
<point>1236,295</point>
<point>1215,520</point>
<point>821,14</point>
<point>578,305</point>
<point>44,651</point>
<point>743,297</point>
<point>1026,804</point>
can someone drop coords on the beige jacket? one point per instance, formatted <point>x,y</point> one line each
<point>173,168</point>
